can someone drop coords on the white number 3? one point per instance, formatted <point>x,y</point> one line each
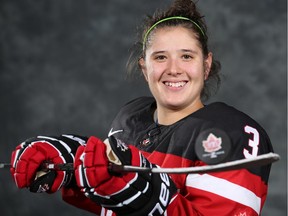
<point>254,143</point>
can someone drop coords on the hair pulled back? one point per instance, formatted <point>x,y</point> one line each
<point>195,22</point>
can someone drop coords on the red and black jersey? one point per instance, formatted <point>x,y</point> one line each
<point>196,140</point>
<point>174,146</point>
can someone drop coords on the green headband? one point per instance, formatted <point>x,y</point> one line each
<point>166,19</point>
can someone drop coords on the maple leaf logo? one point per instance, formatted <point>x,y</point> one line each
<point>212,143</point>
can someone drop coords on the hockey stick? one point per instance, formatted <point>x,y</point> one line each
<point>260,160</point>
<point>5,165</point>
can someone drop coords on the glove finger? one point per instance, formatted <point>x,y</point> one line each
<point>96,162</point>
<point>15,154</point>
<point>78,157</point>
<point>78,166</point>
<point>27,166</point>
<point>61,177</point>
<point>92,164</point>
<point>95,153</point>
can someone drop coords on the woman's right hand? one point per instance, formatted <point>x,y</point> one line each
<point>28,157</point>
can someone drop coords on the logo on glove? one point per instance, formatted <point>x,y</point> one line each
<point>121,145</point>
<point>43,188</point>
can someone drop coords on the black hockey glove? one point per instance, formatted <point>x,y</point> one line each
<point>123,193</point>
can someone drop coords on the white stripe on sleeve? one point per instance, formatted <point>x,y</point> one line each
<point>225,189</point>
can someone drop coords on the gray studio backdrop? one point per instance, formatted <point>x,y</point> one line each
<point>62,70</point>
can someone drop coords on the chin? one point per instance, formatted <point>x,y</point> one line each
<point>174,105</point>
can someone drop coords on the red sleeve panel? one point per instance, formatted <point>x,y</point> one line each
<point>75,197</point>
<point>238,192</point>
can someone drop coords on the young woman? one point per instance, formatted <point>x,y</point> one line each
<point>174,128</point>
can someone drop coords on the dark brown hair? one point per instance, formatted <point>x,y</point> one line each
<point>183,8</point>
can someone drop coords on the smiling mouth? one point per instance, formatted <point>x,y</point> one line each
<point>175,84</point>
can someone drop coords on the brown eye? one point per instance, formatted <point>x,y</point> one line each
<point>186,56</point>
<point>160,57</point>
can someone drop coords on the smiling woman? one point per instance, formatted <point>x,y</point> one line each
<point>175,72</point>
<point>192,22</point>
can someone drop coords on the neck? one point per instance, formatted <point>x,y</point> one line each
<point>166,116</point>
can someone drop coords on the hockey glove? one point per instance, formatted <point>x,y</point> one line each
<point>123,193</point>
<point>28,157</point>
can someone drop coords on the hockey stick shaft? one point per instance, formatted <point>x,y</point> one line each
<point>5,165</point>
<point>260,160</point>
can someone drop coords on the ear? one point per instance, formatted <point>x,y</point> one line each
<point>142,65</point>
<point>207,65</point>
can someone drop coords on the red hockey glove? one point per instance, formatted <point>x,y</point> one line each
<point>124,193</point>
<point>28,157</point>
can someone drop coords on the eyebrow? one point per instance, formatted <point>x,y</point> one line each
<point>157,52</point>
<point>182,50</point>
<point>189,50</point>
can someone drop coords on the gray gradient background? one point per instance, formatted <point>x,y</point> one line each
<point>62,70</point>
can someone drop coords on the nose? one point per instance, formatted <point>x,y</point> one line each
<point>173,68</point>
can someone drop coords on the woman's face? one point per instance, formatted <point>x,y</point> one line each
<point>175,68</point>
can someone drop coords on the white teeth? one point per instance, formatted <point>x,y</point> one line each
<point>175,84</point>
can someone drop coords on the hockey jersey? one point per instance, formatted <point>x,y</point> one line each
<point>214,134</point>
